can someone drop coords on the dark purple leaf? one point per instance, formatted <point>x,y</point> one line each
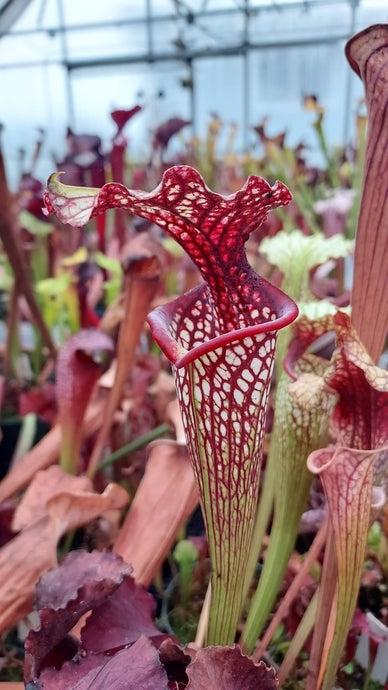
<point>136,668</point>
<point>66,650</point>
<point>227,668</point>
<point>64,594</point>
<point>175,661</point>
<point>121,620</point>
<point>96,574</point>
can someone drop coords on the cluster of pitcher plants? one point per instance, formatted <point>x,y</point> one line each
<point>238,345</point>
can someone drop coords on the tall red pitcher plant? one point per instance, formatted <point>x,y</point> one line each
<point>220,338</point>
<point>367,53</point>
<point>351,468</point>
<point>357,462</point>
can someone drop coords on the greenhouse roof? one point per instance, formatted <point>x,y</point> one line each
<point>69,63</point>
<point>92,33</point>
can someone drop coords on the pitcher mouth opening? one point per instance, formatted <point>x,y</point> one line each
<point>160,320</point>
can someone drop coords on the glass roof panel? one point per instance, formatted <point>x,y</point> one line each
<point>297,23</point>
<point>278,4</point>
<point>213,33</point>
<point>110,42</point>
<point>162,7</point>
<point>90,11</point>
<point>34,49</point>
<point>212,98</point>
<point>37,15</point>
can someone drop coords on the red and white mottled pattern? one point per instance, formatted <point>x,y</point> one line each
<point>212,229</point>
<point>223,380</point>
<point>220,338</point>
<point>223,399</point>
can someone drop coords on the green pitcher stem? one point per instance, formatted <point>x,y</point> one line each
<point>134,445</point>
<point>26,437</point>
<point>262,520</point>
<point>70,446</point>
<point>291,483</point>
<point>222,628</point>
<point>226,600</point>
<point>282,540</point>
<point>282,344</point>
<point>303,631</point>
